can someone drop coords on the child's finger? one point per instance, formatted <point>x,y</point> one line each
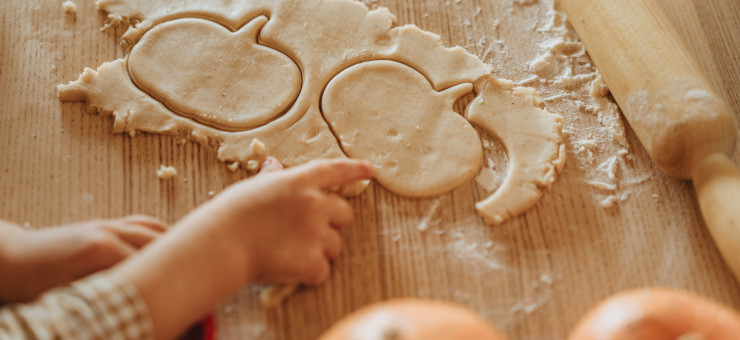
<point>340,211</point>
<point>270,165</point>
<point>136,235</point>
<point>327,174</point>
<point>147,221</point>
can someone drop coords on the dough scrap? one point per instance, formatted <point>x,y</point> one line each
<point>532,137</point>
<point>326,38</point>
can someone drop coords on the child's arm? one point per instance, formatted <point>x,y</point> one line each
<point>33,261</point>
<point>280,227</point>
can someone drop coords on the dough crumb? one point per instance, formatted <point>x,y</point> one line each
<point>253,166</point>
<point>602,185</point>
<point>462,296</point>
<point>608,202</point>
<point>166,172</point>
<point>599,88</point>
<point>211,193</point>
<point>611,200</point>
<point>258,148</point>
<point>351,190</point>
<point>27,225</point>
<point>546,279</point>
<point>70,8</point>
<point>114,20</point>
<point>273,296</point>
<point>233,166</point>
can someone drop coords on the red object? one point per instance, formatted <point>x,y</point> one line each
<point>209,328</point>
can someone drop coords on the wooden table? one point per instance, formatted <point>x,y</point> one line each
<point>535,279</point>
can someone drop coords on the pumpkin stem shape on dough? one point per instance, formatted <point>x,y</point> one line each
<point>226,80</point>
<point>388,113</point>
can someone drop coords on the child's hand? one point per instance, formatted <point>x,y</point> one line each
<point>287,221</point>
<point>33,261</point>
<point>278,227</point>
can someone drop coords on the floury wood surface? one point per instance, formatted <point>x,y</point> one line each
<point>656,81</point>
<point>537,276</point>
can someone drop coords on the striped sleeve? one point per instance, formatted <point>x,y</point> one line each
<point>97,307</point>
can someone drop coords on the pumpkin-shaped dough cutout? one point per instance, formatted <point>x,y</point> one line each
<point>389,114</point>
<point>203,71</point>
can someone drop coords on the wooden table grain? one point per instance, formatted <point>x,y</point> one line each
<point>534,276</point>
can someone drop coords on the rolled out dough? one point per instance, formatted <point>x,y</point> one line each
<point>206,70</point>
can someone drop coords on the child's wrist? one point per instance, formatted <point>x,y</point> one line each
<point>10,237</point>
<point>241,258</point>
<point>234,256</point>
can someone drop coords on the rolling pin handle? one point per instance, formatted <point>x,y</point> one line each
<point>717,185</point>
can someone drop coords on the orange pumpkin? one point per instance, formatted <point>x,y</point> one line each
<point>413,320</point>
<point>658,314</point>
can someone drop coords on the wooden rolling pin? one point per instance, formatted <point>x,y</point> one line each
<point>669,102</point>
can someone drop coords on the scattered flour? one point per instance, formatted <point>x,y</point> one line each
<point>531,43</point>
<point>530,307</point>
<point>546,279</point>
<point>471,248</point>
<point>431,218</point>
<point>461,296</point>
<point>88,198</point>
